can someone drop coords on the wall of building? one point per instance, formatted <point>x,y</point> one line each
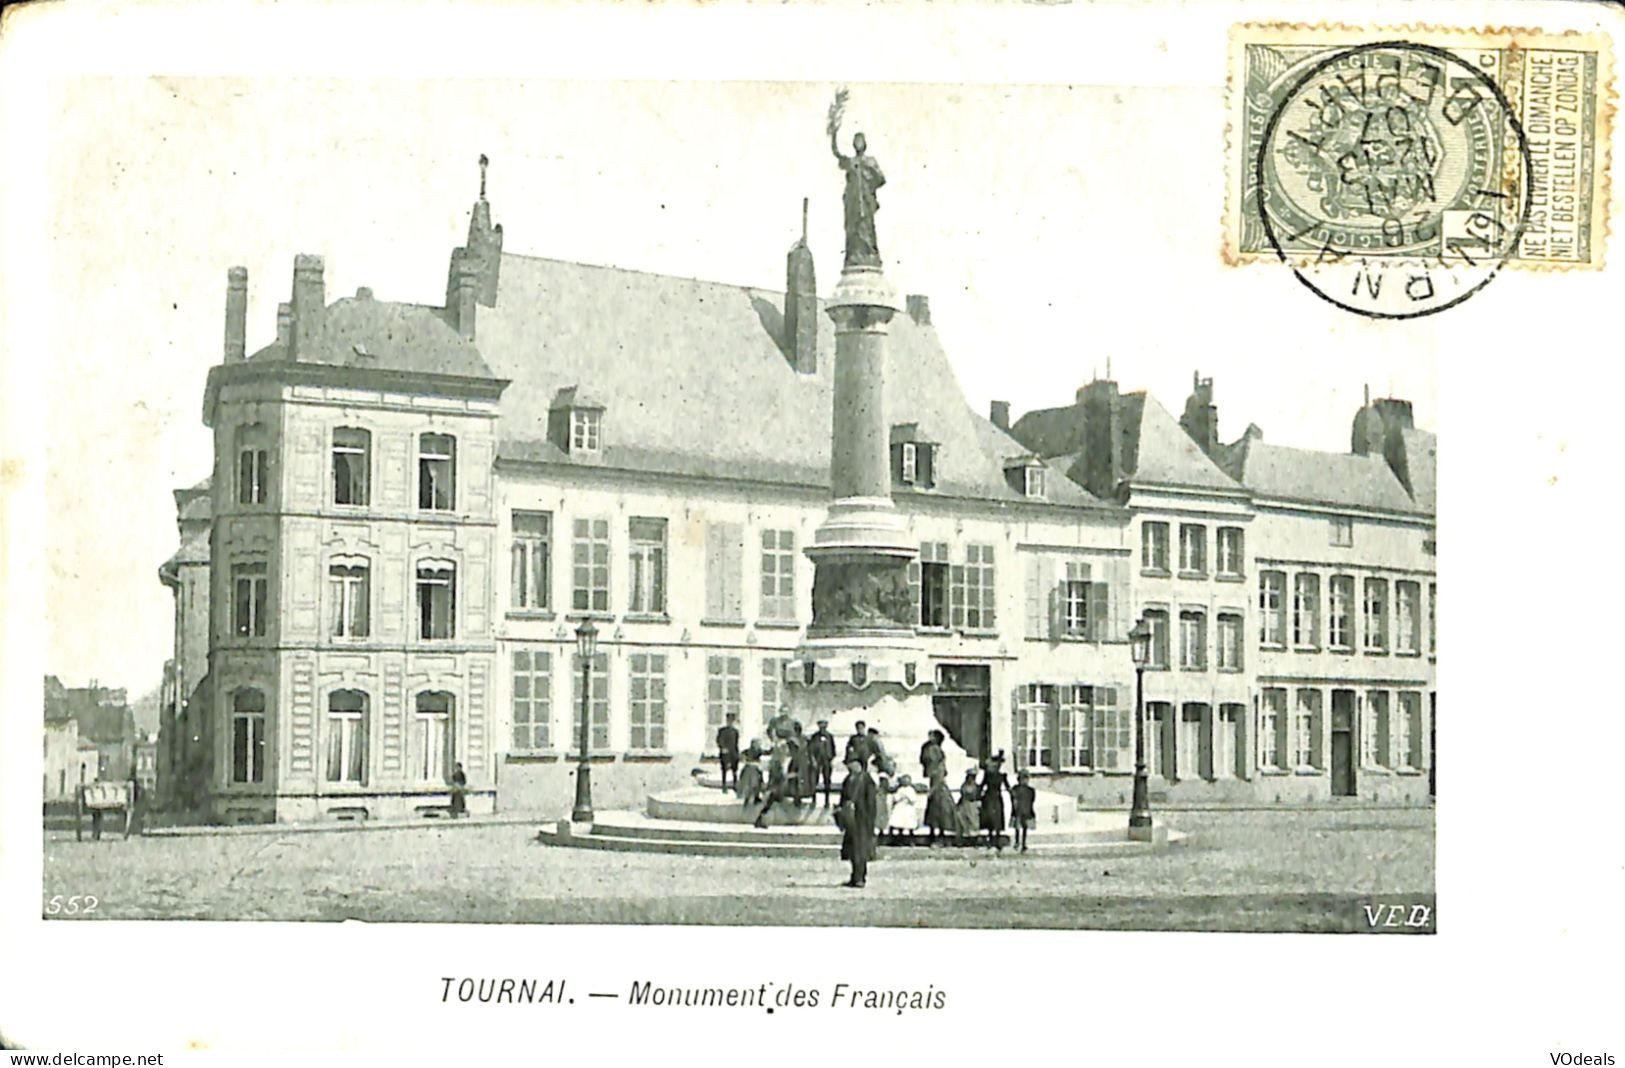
<point>691,639</point>
<point>300,662</point>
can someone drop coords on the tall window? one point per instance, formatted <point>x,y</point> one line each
<point>778,574</point>
<point>597,704</point>
<point>589,557</point>
<point>1306,730</point>
<point>1154,546</point>
<point>437,472</point>
<point>1408,743</point>
<point>253,464</point>
<point>648,702</point>
<point>1407,617</point>
<point>646,551</point>
<point>1230,555</point>
<point>1340,620</point>
<point>1113,730</point>
<point>973,595</point>
<point>1193,640</point>
<point>1189,747</point>
<point>724,691</point>
<point>250,588</point>
<point>532,700</point>
<point>1229,642</point>
<point>1374,615</point>
<point>352,464</point>
<point>248,736</point>
<point>437,599</point>
<point>934,584</point>
<point>1306,610</point>
<point>532,568</point>
<point>1375,730</point>
<point>1075,600</point>
<point>1342,530</point>
<point>1033,712</point>
<point>432,737</point>
<point>772,688</point>
<point>347,737</point>
<point>1271,617</point>
<point>1193,548</point>
<point>911,462</point>
<point>1157,619</point>
<point>348,588</point>
<point>1272,729</point>
<point>586,427</point>
<point>724,571</point>
<point>1076,739</point>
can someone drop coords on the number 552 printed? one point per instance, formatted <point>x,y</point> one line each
<point>74,905</point>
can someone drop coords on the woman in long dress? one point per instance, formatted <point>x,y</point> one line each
<point>940,814</point>
<point>970,805</point>
<point>994,786</point>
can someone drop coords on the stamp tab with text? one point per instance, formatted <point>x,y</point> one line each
<point>1424,157</point>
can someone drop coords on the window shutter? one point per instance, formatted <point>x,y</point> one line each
<point>1243,740</point>
<point>914,591</point>
<point>1204,756</point>
<point>1099,608</point>
<point>1117,571</point>
<point>1038,625</point>
<point>1052,726</point>
<point>1317,757</point>
<point>925,465</point>
<point>897,463</point>
<point>956,583</point>
<point>1167,729</point>
<point>1018,719</point>
<point>713,571</point>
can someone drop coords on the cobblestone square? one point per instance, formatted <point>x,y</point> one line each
<point>1288,870</point>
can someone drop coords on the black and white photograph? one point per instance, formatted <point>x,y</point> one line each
<point>564,533</point>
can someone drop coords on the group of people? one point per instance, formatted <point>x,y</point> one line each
<point>876,804</point>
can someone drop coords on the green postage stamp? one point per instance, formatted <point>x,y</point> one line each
<point>1457,151</point>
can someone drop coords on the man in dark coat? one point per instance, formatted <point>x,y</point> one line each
<point>822,744</point>
<point>857,746</point>
<point>728,749</point>
<point>856,816</point>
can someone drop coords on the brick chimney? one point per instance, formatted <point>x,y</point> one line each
<point>462,293</point>
<point>236,314</point>
<point>999,414</point>
<point>1102,409</point>
<point>309,304</point>
<point>801,304</point>
<point>1201,418</point>
<point>284,328</point>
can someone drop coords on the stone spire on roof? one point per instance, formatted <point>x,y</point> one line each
<point>483,250</point>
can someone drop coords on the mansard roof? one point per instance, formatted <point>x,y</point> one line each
<point>695,381</point>
<point>1311,476</point>
<point>386,335</point>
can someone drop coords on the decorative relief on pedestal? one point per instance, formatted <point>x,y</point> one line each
<point>861,594</point>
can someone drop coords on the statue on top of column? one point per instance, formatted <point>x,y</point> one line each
<point>863,177</point>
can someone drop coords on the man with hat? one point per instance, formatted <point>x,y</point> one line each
<point>728,749</point>
<point>856,816</point>
<point>857,746</point>
<point>822,746</point>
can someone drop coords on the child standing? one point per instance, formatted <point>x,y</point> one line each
<point>1022,815</point>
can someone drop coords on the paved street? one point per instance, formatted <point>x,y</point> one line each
<point>1307,870</point>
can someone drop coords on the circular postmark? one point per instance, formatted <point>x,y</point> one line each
<point>1391,177</point>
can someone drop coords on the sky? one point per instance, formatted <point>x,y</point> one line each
<point>1058,230</point>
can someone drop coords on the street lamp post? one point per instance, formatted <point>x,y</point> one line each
<point>1139,817</point>
<point>586,646</point>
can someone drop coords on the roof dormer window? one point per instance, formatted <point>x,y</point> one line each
<point>913,460</point>
<point>1025,475</point>
<point>585,427</point>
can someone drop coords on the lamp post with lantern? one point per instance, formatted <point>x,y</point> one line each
<point>1139,817</point>
<point>586,647</point>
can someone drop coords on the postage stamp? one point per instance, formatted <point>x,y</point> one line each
<point>1419,157</point>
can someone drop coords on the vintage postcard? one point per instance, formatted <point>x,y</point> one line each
<point>595,515</point>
